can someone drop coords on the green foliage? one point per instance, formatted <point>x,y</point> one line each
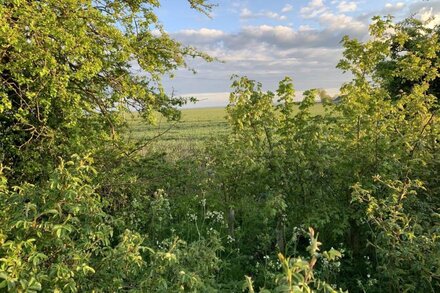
<point>398,133</point>
<point>323,170</point>
<point>67,75</point>
<point>405,234</point>
<point>66,72</point>
<point>82,211</point>
<point>59,236</point>
<point>298,273</point>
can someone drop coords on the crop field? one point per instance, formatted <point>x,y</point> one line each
<point>182,137</point>
<point>188,135</point>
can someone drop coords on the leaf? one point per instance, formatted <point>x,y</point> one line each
<point>51,211</point>
<point>3,284</point>
<point>86,269</point>
<point>248,284</point>
<point>332,254</point>
<point>34,285</point>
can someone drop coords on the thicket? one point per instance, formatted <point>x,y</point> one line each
<point>81,210</point>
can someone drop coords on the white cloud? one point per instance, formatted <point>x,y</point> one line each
<point>265,53</point>
<point>340,21</point>
<point>204,33</point>
<point>279,32</point>
<point>313,9</point>
<point>316,9</point>
<point>347,6</point>
<point>307,52</point>
<point>287,8</point>
<point>394,7</point>
<point>305,28</point>
<point>246,14</point>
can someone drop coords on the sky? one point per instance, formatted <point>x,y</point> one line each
<point>267,40</point>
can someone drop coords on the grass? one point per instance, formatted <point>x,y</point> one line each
<point>187,136</point>
<point>183,137</point>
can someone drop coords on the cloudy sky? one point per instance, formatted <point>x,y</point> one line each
<point>269,39</point>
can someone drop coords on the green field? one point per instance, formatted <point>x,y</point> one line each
<point>182,137</point>
<point>187,135</point>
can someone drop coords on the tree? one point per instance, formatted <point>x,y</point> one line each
<point>67,69</point>
<point>67,73</point>
<point>364,172</point>
<point>414,43</point>
<point>405,55</point>
<point>390,110</point>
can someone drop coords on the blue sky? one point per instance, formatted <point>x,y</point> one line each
<point>267,40</point>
